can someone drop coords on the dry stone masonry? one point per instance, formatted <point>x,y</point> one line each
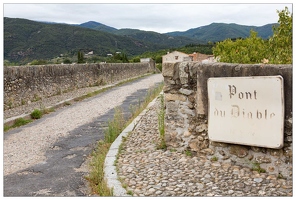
<point>26,84</point>
<point>186,120</point>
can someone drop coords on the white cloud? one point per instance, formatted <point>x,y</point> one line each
<point>153,17</point>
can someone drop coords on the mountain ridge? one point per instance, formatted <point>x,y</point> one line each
<point>25,39</point>
<point>220,31</point>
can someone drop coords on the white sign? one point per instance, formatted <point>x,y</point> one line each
<point>247,110</point>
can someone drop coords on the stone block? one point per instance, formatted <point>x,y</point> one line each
<point>186,91</point>
<point>168,69</point>
<point>183,73</point>
<point>239,151</point>
<point>26,83</point>
<point>174,97</point>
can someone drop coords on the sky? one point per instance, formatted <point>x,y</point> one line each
<point>155,16</point>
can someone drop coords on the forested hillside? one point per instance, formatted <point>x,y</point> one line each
<point>26,40</point>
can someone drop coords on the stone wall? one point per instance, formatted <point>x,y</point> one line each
<point>186,120</point>
<point>25,84</point>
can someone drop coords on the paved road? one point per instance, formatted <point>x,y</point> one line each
<point>49,156</point>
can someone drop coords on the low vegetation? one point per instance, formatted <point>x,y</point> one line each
<point>115,126</point>
<point>18,122</point>
<point>257,167</point>
<point>36,114</point>
<point>276,50</point>
<point>161,125</point>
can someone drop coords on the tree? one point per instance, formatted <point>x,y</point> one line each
<point>158,59</point>
<point>249,50</point>
<point>80,57</point>
<point>67,61</point>
<point>119,57</point>
<point>38,62</point>
<point>276,50</point>
<point>281,42</point>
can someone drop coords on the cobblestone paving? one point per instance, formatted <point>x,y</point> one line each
<point>148,171</point>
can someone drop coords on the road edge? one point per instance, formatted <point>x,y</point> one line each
<point>110,172</point>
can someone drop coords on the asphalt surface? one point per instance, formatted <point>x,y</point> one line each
<point>63,172</point>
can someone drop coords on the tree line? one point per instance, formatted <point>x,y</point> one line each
<point>276,50</point>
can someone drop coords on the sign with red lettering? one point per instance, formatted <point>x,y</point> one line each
<point>247,110</point>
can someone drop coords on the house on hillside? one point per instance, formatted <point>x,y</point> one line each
<point>174,56</point>
<point>146,60</point>
<point>210,59</point>
<point>89,53</point>
<point>198,56</point>
<point>177,56</point>
<point>203,58</point>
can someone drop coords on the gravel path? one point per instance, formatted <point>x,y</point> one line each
<point>148,171</point>
<point>27,147</point>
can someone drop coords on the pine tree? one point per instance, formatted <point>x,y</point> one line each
<point>80,57</point>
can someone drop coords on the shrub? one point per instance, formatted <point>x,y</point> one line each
<point>38,62</point>
<point>36,114</point>
<point>275,50</point>
<point>67,61</point>
<point>159,66</point>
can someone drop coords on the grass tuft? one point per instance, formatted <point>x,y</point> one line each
<point>36,114</point>
<point>115,127</point>
<point>257,167</point>
<point>96,176</point>
<point>161,126</point>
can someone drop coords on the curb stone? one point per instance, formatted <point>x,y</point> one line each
<point>110,172</point>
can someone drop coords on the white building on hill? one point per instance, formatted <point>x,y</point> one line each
<point>174,56</point>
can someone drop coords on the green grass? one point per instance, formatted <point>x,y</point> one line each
<point>47,110</point>
<point>257,167</point>
<point>188,153</point>
<point>114,128</point>
<point>18,122</point>
<point>67,103</point>
<point>36,114</point>
<point>214,158</point>
<point>161,126</point>
<point>96,177</point>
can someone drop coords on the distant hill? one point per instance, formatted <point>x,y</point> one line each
<point>145,36</point>
<point>26,40</point>
<point>157,38</point>
<point>201,35</point>
<point>98,26</point>
<point>221,31</point>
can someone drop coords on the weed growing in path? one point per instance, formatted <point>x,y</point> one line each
<point>257,167</point>
<point>115,127</point>
<point>36,114</point>
<point>161,127</point>
<point>18,122</point>
<point>96,175</point>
